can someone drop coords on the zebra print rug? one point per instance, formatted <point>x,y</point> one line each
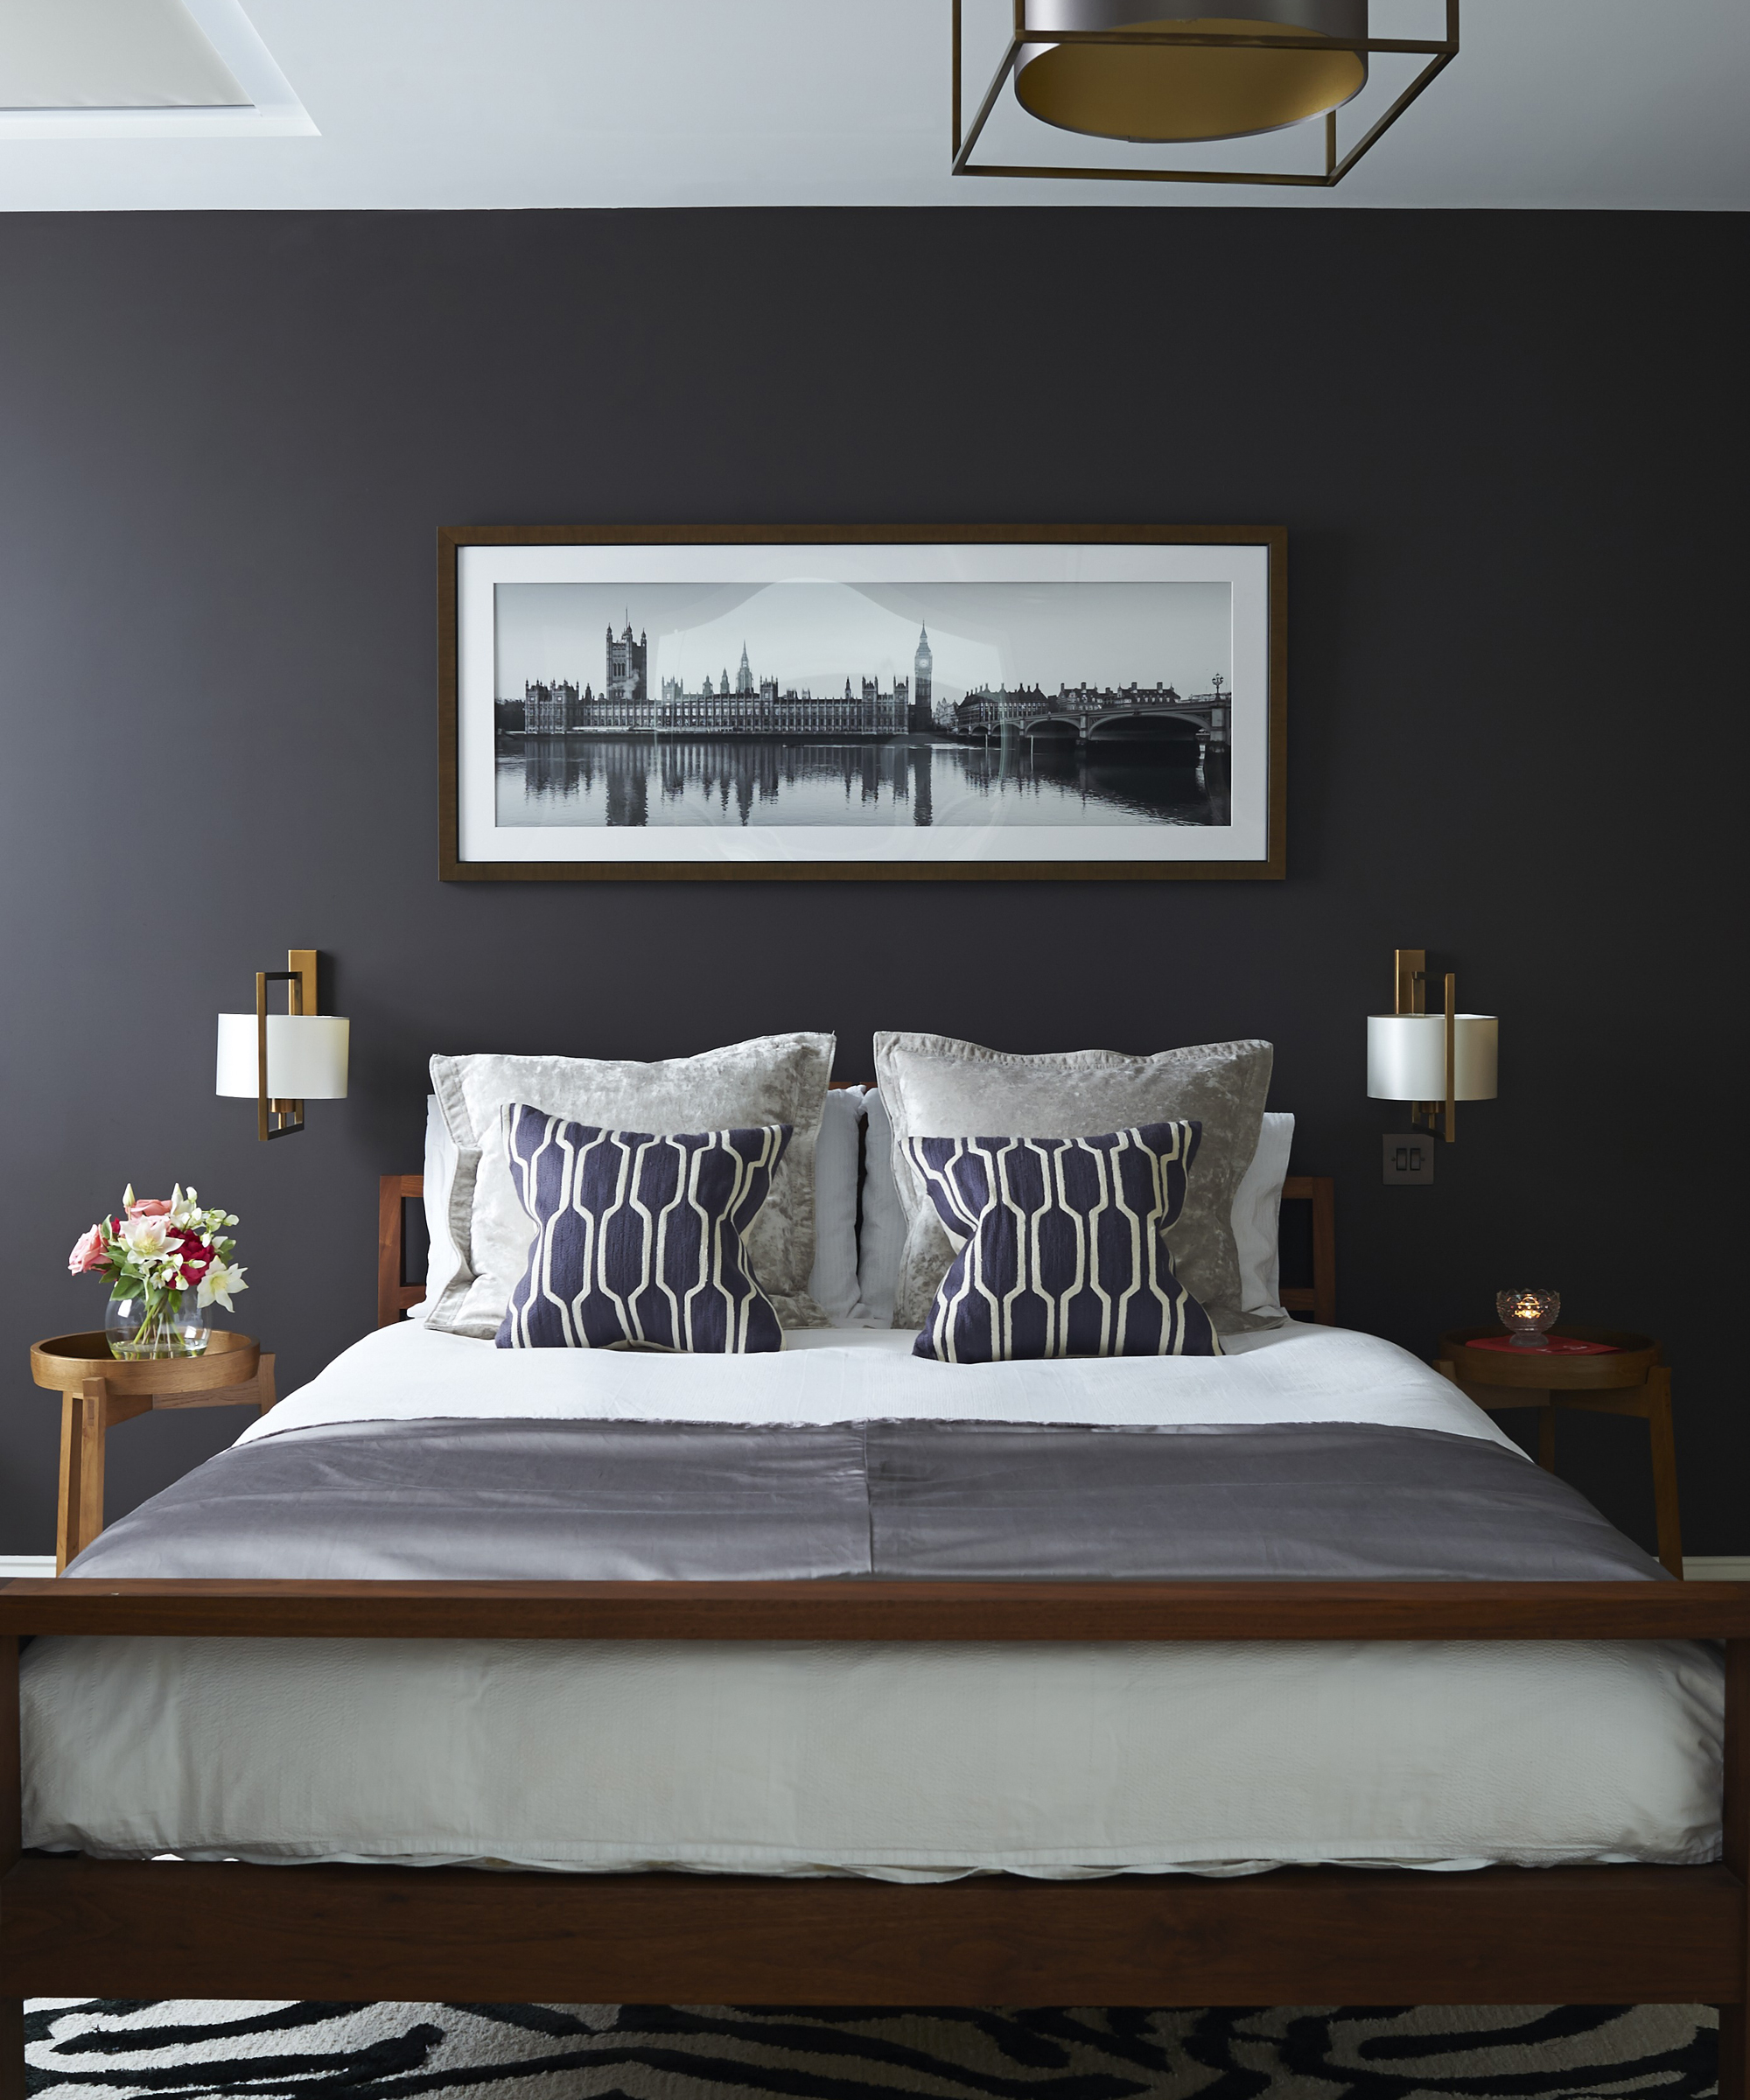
<point>191,2049</point>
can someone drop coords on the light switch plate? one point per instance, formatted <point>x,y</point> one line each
<point>1410,1159</point>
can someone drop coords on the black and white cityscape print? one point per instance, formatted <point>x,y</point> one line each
<point>869,705</point>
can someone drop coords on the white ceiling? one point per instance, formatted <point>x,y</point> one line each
<point>481,104</point>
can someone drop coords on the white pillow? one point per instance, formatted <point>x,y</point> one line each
<point>1258,1212</point>
<point>882,1241</point>
<point>441,1260</point>
<point>832,1283</point>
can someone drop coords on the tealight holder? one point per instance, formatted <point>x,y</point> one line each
<point>1528,1315</point>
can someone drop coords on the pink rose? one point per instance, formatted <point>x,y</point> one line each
<point>88,1254</point>
<point>154,1206</point>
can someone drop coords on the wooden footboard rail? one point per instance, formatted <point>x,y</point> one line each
<point>71,1926</point>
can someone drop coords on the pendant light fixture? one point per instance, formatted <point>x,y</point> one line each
<point>1190,72</point>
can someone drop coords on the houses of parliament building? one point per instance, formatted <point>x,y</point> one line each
<point>749,707</point>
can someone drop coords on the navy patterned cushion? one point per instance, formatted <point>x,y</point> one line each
<point>638,1238</point>
<point>1061,1246</point>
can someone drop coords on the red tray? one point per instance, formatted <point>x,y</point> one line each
<point>1555,1345</point>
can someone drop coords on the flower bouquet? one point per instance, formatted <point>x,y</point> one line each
<point>166,1262</point>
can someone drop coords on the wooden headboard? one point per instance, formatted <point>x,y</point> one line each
<point>1319,1296</point>
<point>395,1293</point>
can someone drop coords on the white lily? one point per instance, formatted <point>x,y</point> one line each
<point>146,1238</point>
<point>218,1283</point>
<point>128,1197</point>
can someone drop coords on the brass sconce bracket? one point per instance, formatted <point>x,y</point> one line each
<point>1439,53</point>
<point>281,1118</point>
<point>1411,996</point>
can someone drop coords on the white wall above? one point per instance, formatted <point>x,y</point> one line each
<point>458,104</point>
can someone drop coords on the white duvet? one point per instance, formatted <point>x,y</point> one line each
<point>1291,1373</point>
<point>906,1762</point>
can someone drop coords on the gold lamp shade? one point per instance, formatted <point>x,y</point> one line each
<point>1173,90</point>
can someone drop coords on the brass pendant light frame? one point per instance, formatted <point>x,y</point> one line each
<point>1439,55</point>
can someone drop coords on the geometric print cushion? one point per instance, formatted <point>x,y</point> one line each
<point>1060,1245</point>
<point>638,1237</point>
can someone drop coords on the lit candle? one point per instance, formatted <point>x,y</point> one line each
<point>1528,1315</point>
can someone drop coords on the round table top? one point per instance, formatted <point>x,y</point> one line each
<point>65,1362</point>
<point>1631,1356</point>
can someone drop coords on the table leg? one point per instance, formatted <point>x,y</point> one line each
<point>1664,1470</point>
<point>67,1506</point>
<point>94,1420</point>
<point>12,1818</point>
<point>1734,2027</point>
<point>264,1382</point>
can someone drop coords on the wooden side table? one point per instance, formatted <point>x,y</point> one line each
<point>97,1389</point>
<point>1630,1380</point>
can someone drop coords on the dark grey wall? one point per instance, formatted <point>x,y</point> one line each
<point>1509,452</point>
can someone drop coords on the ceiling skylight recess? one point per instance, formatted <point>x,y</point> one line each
<point>140,69</point>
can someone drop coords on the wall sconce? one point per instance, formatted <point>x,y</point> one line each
<point>1432,1060</point>
<point>280,1060</point>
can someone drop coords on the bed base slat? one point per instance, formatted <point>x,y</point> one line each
<point>865,1609</point>
<point>1300,1935</point>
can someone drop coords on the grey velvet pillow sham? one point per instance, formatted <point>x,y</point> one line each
<point>934,1086</point>
<point>772,1078</point>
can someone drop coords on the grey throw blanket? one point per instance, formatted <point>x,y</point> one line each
<point>566,1500</point>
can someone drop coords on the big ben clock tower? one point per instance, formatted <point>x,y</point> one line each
<point>923,710</point>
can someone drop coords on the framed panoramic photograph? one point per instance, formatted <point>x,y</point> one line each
<point>861,702</point>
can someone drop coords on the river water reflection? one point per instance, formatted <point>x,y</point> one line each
<point>646,782</point>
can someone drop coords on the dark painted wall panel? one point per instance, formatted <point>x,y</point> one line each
<point>1510,449</point>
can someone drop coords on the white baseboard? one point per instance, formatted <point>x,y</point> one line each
<point>16,1565</point>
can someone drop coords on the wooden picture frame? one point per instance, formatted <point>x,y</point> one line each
<point>649,781</point>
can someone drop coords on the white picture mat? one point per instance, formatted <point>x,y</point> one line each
<point>1245,570</point>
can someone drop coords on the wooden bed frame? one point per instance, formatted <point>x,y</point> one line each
<point>71,1926</point>
<point>396,1291</point>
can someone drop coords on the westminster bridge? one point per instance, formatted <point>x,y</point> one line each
<point>1201,720</point>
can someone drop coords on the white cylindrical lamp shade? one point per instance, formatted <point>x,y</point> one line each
<point>306,1056</point>
<point>1407,1056</point>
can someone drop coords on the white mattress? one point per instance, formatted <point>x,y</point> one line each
<point>900,1761</point>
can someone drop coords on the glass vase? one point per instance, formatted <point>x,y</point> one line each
<point>155,1323</point>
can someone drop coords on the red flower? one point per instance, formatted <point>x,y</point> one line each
<point>195,1258</point>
